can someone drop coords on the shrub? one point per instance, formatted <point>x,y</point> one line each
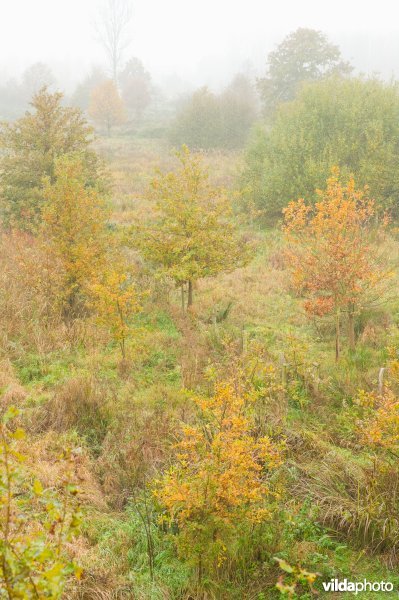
<point>35,525</point>
<point>353,124</point>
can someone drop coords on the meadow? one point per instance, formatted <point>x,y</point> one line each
<point>333,510</point>
<point>199,333</point>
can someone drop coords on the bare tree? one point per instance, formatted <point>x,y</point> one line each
<point>112,30</point>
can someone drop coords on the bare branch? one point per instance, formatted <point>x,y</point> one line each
<point>112,31</point>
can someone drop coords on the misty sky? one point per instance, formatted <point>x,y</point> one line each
<point>196,41</point>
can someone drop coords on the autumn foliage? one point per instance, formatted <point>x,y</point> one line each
<point>332,258</point>
<point>30,148</point>
<point>208,446</point>
<point>221,479</point>
<point>106,107</point>
<point>378,425</point>
<point>191,235</point>
<point>114,299</point>
<point>74,231</point>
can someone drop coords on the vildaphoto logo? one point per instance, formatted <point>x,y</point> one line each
<point>335,585</point>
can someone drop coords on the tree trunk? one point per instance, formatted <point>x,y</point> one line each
<point>337,335</point>
<point>182,297</point>
<point>122,321</point>
<point>190,294</point>
<point>351,327</point>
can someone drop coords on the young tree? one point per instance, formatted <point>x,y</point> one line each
<point>191,235</point>
<point>220,483</point>
<point>30,148</point>
<point>106,106</point>
<point>74,231</point>
<point>304,55</point>
<point>112,30</point>
<point>115,299</point>
<point>331,254</point>
<point>352,123</point>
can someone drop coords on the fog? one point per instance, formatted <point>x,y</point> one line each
<point>192,43</point>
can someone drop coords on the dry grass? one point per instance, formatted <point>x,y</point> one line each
<point>121,418</point>
<point>259,292</point>
<point>134,162</point>
<point>44,456</point>
<point>12,392</point>
<point>356,497</point>
<point>78,403</point>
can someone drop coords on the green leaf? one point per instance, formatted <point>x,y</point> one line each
<point>284,565</point>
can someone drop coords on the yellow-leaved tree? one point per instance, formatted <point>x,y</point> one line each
<point>191,235</point>
<point>221,481</point>
<point>115,299</point>
<point>334,261</point>
<point>74,232</point>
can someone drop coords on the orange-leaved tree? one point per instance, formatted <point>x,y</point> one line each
<point>334,261</point>
<point>192,234</point>
<point>221,481</point>
<point>74,231</point>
